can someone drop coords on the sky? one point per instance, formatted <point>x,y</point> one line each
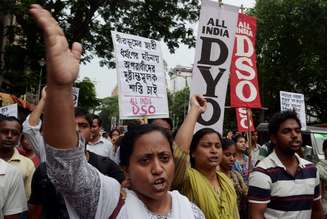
<point>105,79</point>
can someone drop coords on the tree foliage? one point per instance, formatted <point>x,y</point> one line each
<point>291,52</point>
<point>87,94</point>
<point>108,109</point>
<point>91,22</point>
<point>178,106</point>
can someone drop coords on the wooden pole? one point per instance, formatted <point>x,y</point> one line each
<point>249,138</point>
<point>242,8</point>
<point>220,3</point>
<point>145,119</point>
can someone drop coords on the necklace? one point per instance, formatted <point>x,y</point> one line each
<point>151,215</point>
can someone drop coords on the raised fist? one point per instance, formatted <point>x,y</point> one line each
<point>62,62</point>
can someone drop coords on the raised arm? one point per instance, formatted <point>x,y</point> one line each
<point>32,126</point>
<point>184,135</point>
<point>81,184</point>
<point>62,70</point>
<point>35,115</point>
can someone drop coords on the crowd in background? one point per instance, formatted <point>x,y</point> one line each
<point>64,167</point>
<point>233,159</point>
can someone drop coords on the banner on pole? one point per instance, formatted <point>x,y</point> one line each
<point>214,46</point>
<point>241,114</point>
<point>244,89</point>
<point>75,93</point>
<point>10,110</point>
<point>294,101</point>
<point>141,77</point>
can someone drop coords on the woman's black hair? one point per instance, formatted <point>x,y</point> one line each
<point>114,130</point>
<point>196,138</point>
<point>167,120</point>
<point>226,143</point>
<point>236,137</point>
<point>128,140</point>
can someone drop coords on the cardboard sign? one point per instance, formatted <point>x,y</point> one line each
<point>242,124</point>
<point>294,101</point>
<point>141,77</point>
<point>75,93</point>
<point>10,110</point>
<point>214,46</point>
<point>244,89</point>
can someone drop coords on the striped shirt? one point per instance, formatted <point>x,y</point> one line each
<point>286,196</point>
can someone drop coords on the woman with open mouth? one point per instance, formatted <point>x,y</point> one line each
<point>211,190</point>
<point>146,151</point>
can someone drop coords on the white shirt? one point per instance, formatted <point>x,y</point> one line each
<point>102,147</point>
<point>286,196</point>
<point>255,154</point>
<point>12,193</point>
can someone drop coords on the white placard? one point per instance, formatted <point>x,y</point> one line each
<point>10,110</point>
<point>294,101</point>
<point>141,77</point>
<point>214,47</point>
<point>75,93</point>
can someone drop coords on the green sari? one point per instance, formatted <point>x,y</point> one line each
<point>193,184</point>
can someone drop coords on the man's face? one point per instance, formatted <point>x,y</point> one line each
<point>288,139</point>
<point>95,128</point>
<point>26,144</point>
<point>83,127</point>
<point>9,134</point>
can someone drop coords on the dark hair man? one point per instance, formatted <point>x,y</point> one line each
<point>283,185</point>
<point>97,143</point>
<point>10,131</point>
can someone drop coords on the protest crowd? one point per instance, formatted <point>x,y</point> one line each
<point>58,163</point>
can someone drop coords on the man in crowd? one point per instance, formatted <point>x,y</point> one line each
<point>26,149</point>
<point>283,185</point>
<point>255,148</point>
<point>10,132</point>
<point>98,144</point>
<point>12,193</point>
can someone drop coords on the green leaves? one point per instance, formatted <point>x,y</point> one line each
<point>291,52</point>
<point>87,94</point>
<point>90,23</point>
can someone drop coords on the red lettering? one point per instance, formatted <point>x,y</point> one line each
<point>151,109</point>
<point>144,110</point>
<point>135,109</point>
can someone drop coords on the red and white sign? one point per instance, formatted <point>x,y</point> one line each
<point>244,89</point>
<point>242,123</point>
